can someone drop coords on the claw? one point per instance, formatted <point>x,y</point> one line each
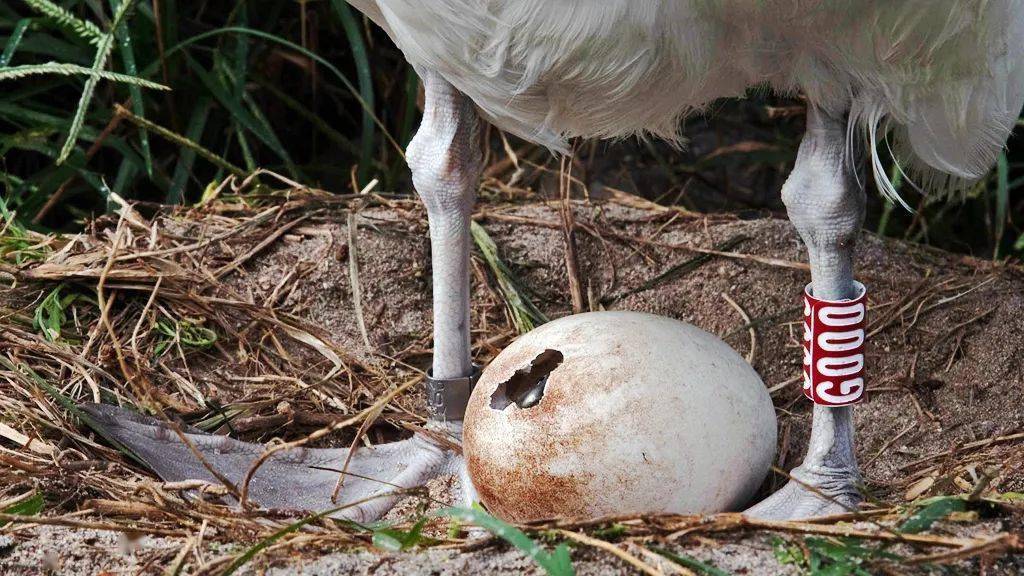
<point>293,479</point>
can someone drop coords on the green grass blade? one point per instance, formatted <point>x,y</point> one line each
<point>365,78</point>
<point>309,116</point>
<point>264,124</point>
<point>1002,201</point>
<point>124,46</point>
<point>281,41</point>
<point>60,69</point>
<point>896,177</point>
<point>61,16</point>
<point>525,314</point>
<point>70,405</point>
<point>29,507</point>
<point>125,176</point>
<point>103,49</point>
<point>182,141</point>
<point>556,563</point>
<point>13,40</point>
<point>249,554</point>
<point>412,93</point>
<point>194,131</point>
<point>239,113</point>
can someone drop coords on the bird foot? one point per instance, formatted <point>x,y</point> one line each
<point>813,491</point>
<point>296,478</point>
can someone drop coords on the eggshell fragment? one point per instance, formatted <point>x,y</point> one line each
<point>617,413</point>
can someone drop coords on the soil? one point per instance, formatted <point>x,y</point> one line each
<point>945,403</point>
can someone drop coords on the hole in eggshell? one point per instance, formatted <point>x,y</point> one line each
<point>526,387</point>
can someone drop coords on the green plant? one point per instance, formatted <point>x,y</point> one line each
<point>555,563</point>
<point>51,313</point>
<point>30,506</point>
<point>931,511</point>
<point>248,89</point>
<point>184,332</point>
<point>831,556</point>
<point>395,540</point>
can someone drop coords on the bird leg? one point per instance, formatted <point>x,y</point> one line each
<point>827,207</point>
<point>446,160</point>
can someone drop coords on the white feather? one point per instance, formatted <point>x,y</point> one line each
<point>946,76</point>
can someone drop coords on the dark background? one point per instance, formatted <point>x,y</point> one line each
<point>264,85</point>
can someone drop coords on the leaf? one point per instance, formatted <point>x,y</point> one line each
<point>363,74</point>
<point>525,315</point>
<point>124,45</point>
<point>556,563</point>
<point>691,563</point>
<point>787,553</point>
<point>49,315</point>
<point>933,512</point>
<point>394,540</point>
<point>842,556</point>
<point>13,40</point>
<point>28,507</point>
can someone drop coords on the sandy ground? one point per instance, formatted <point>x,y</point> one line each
<point>946,366</point>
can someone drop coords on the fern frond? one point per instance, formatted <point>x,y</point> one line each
<point>63,17</point>
<point>16,72</point>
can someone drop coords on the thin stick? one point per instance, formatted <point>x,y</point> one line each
<point>609,547</point>
<point>746,318</point>
<point>353,271</point>
<point>569,237</point>
<point>19,519</point>
<point>382,401</point>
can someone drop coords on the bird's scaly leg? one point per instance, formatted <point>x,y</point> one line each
<point>446,160</point>
<point>827,207</point>
<point>445,157</point>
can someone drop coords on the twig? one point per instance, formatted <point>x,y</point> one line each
<point>569,237</point>
<point>609,547</point>
<point>19,519</point>
<point>746,318</point>
<point>353,271</point>
<point>999,541</point>
<point>382,401</point>
<point>179,140</point>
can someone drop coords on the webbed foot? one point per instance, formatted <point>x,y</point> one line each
<point>295,478</point>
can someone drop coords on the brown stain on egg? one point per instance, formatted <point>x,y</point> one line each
<point>528,491</point>
<point>515,482</point>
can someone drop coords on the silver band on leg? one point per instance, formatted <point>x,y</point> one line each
<point>447,398</point>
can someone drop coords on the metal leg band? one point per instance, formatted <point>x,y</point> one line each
<point>447,399</point>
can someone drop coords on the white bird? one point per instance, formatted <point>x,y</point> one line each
<point>943,78</point>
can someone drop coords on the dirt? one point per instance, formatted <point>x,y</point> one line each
<point>945,369</point>
<point>956,371</point>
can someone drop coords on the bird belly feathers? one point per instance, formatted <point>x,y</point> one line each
<point>946,76</point>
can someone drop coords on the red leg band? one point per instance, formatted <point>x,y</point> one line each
<point>834,348</point>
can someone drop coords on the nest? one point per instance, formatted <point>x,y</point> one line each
<point>156,308</point>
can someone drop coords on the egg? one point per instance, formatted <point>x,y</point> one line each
<point>610,413</point>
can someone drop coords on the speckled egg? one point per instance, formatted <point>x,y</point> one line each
<point>617,413</point>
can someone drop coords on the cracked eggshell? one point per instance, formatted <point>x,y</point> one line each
<point>640,414</point>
